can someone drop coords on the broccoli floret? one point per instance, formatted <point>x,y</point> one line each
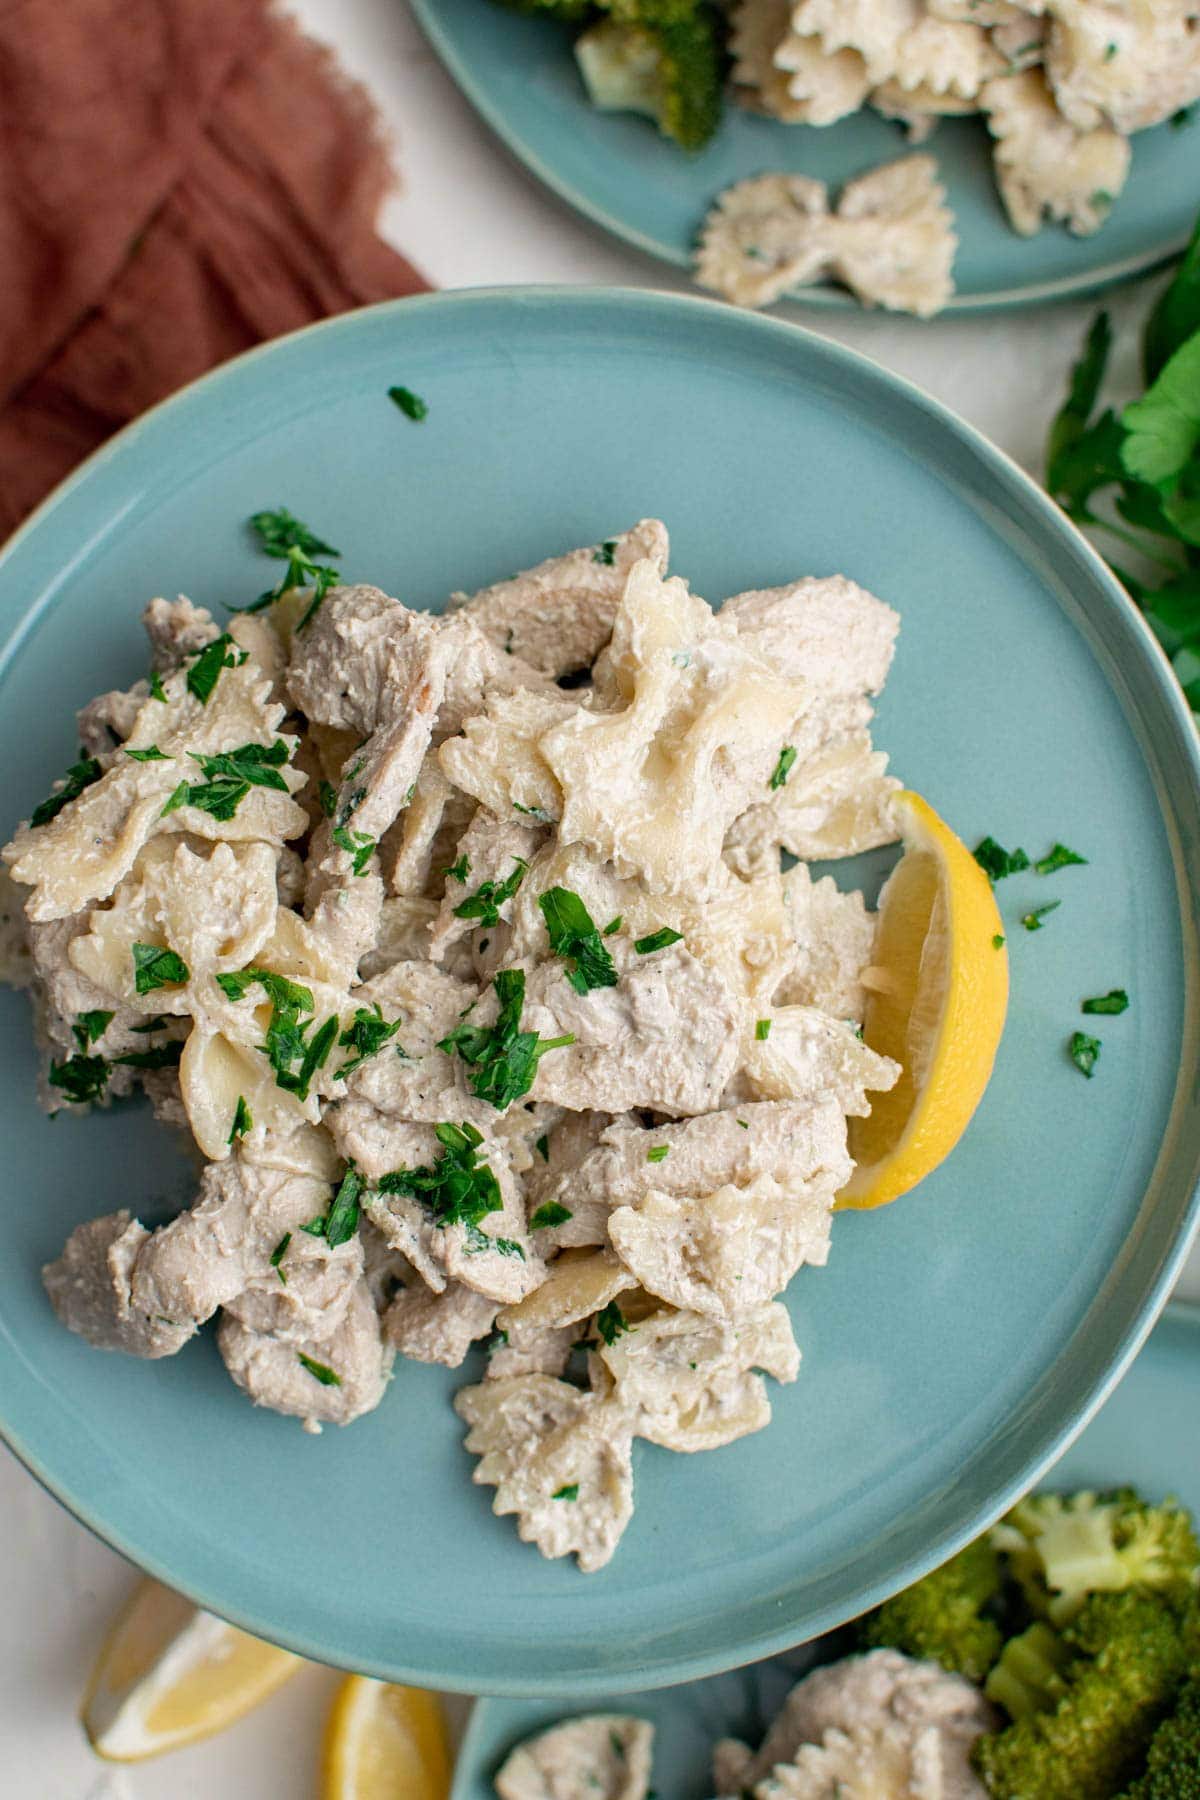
<point>1029,1676</point>
<point>671,71</point>
<point>1129,1656</point>
<point>1173,1764</point>
<point>939,1619</point>
<point>1062,1549</point>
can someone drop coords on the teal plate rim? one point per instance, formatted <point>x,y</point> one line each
<point>824,298</point>
<point>1138,672</point>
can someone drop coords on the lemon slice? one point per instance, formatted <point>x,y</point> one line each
<point>382,1742</point>
<point>936,999</point>
<point>169,1674</point>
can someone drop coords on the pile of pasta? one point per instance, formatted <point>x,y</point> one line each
<point>461,948</point>
<point>1061,84</point>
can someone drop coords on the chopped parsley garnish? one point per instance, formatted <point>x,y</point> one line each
<point>320,1371</point>
<point>151,753</point>
<point>568,1491</point>
<point>242,1123</point>
<point>998,941</point>
<point>503,1246</point>
<point>327,796</point>
<point>542,1146</point>
<point>762,1030</point>
<point>616,1746</point>
<point>289,540</point>
<point>613,925</point>
<point>574,937</point>
<point>658,940</point>
<point>205,670</point>
<point>745,1124</point>
<point>279,534</point>
<point>341,1221</point>
<point>228,777</point>
<point>157,1023</point>
<point>159,1056</point>
<point>157,690</point>
<point>358,847</point>
<point>1058,858</point>
<point>458,871</point>
<point>502,1058</point>
<point>278,1254</point>
<point>485,903</point>
<point>410,404</point>
<point>286,1043</point>
<point>277,987</point>
<point>534,812</point>
<point>1032,921</point>
<point>89,1026</point>
<point>155,967</point>
<point>81,1079</point>
<point>997,862</point>
<point>605,552</point>
<point>610,1323</point>
<point>365,1037</point>
<point>80,775</point>
<point>1115,1001</point>
<point>1084,1052</point>
<point>783,767</point>
<point>458,1189</point>
<point>550,1213</point>
<point>659,1153</point>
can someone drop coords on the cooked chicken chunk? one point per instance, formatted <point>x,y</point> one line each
<point>90,1290</point>
<point>333,1380</point>
<point>438,1328</point>
<point>605,1756</point>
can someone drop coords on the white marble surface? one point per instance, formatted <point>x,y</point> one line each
<point>469,217</point>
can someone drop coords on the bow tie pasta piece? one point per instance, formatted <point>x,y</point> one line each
<point>558,1458</point>
<point>332,1380</point>
<point>578,1284</point>
<point>836,803</point>
<point>807,1054</point>
<point>691,1383</point>
<point>902,40</point>
<point>434,1327</point>
<point>497,759</point>
<point>422,845</point>
<point>919,108</point>
<point>826,630</point>
<point>1125,65</point>
<point>531,1353</point>
<point>1044,166</point>
<point>986,13</point>
<point>558,616</point>
<point>891,240</point>
<point>651,787</point>
<point>835,937</point>
<point>605,1756</point>
<point>792,78</point>
<point>726,1252</point>
<point>424,1083</point>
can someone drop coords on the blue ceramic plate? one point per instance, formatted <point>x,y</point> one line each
<point>519,73</point>
<point>957,1340</point>
<point>1136,1439</point>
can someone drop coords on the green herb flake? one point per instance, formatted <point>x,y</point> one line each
<point>458,871</point>
<point>659,1153</point>
<point>205,670</point>
<point>458,1189</point>
<point>81,1079</point>
<point>341,1221</point>
<point>543,1147</point>
<point>1179,120</point>
<point>996,862</point>
<point>604,553</point>
<point>365,1037</point>
<point>278,1254</point>
<point>502,1058</point>
<point>79,776</point>
<point>998,941</point>
<point>568,1491</point>
<point>286,1043</point>
<point>783,767</point>
<point>1058,858</point>
<point>610,1323</point>
<point>573,936</point>
<point>279,533</point>
<point>157,690</point>
<point>289,540</point>
<point>657,940</point>
<point>151,753</point>
<point>1115,1001</point>
<point>745,1124</point>
<point>159,1056</point>
<point>157,1023</point>
<point>89,1026</point>
<point>613,926</point>
<point>485,903</point>
<point>327,798</point>
<point>319,1371</point>
<point>358,847</point>
<point>1032,921</point>
<point>242,1121</point>
<point>550,1213</point>
<point>155,967</point>
<point>410,404</point>
<point>762,1030</point>
<point>1085,1052</point>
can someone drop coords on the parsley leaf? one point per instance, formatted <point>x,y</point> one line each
<point>290,541</point>
<point>1058,858</point>
<point>1071,426</point>
<point>157,690</point>
<point>762,1030</point>
<point>550,1213</point>
<point>89,1026</point>
<point>614,925</point>
<point>204,671</point>
<point>659,1153</point>
<point>367,1035</point>
<point>573,936</point>
<point>1115,1001</point>
<point>341,1221</point>
<point>605,553</point>
<point>1032,921</point>
<point>242,1121</point>
<point>568,1491</point>
<point>278,1254</point>
<point>458,1189</point>
<point>279,533</point>
<point>319,1371</point>
<point>543,1147</point>
<point>458,871</point>
<point>358,847</point>
<point>410,404</point>
<point>1176,317</point>
<point>286,1042</point>
<point>783,767</point>
<point>998,941</point>
<point>327,796</point>
<point>1084,1052</point>
<point>155,967</point>
<point>159,1056</point>
<point>658,940</point>
<point>151,753</point>
<point>503,1058</point>
<point>256,764</point>
<point>82,1079</point>
<point>1164,425</point>
<point>997,862</point>
<point>610,1323</point>
<point>80,775</point>
<point>485,903</point>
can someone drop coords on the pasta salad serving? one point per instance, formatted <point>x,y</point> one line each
<point>461,950</point>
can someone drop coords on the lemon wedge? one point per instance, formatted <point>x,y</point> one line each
<point>936,999</point>
<point>169,1674</point>
<point>382,1742</point>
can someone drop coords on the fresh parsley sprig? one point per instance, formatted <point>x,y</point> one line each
<point>485,903</point>
<point>289,540</point>
<point>155,966</point>
<point>458,1189</point>
<point>574,937</point>
<point>502,1058</point>
<point>293,1055</point>
<point>80,775</point>
<point>364,1037</point>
